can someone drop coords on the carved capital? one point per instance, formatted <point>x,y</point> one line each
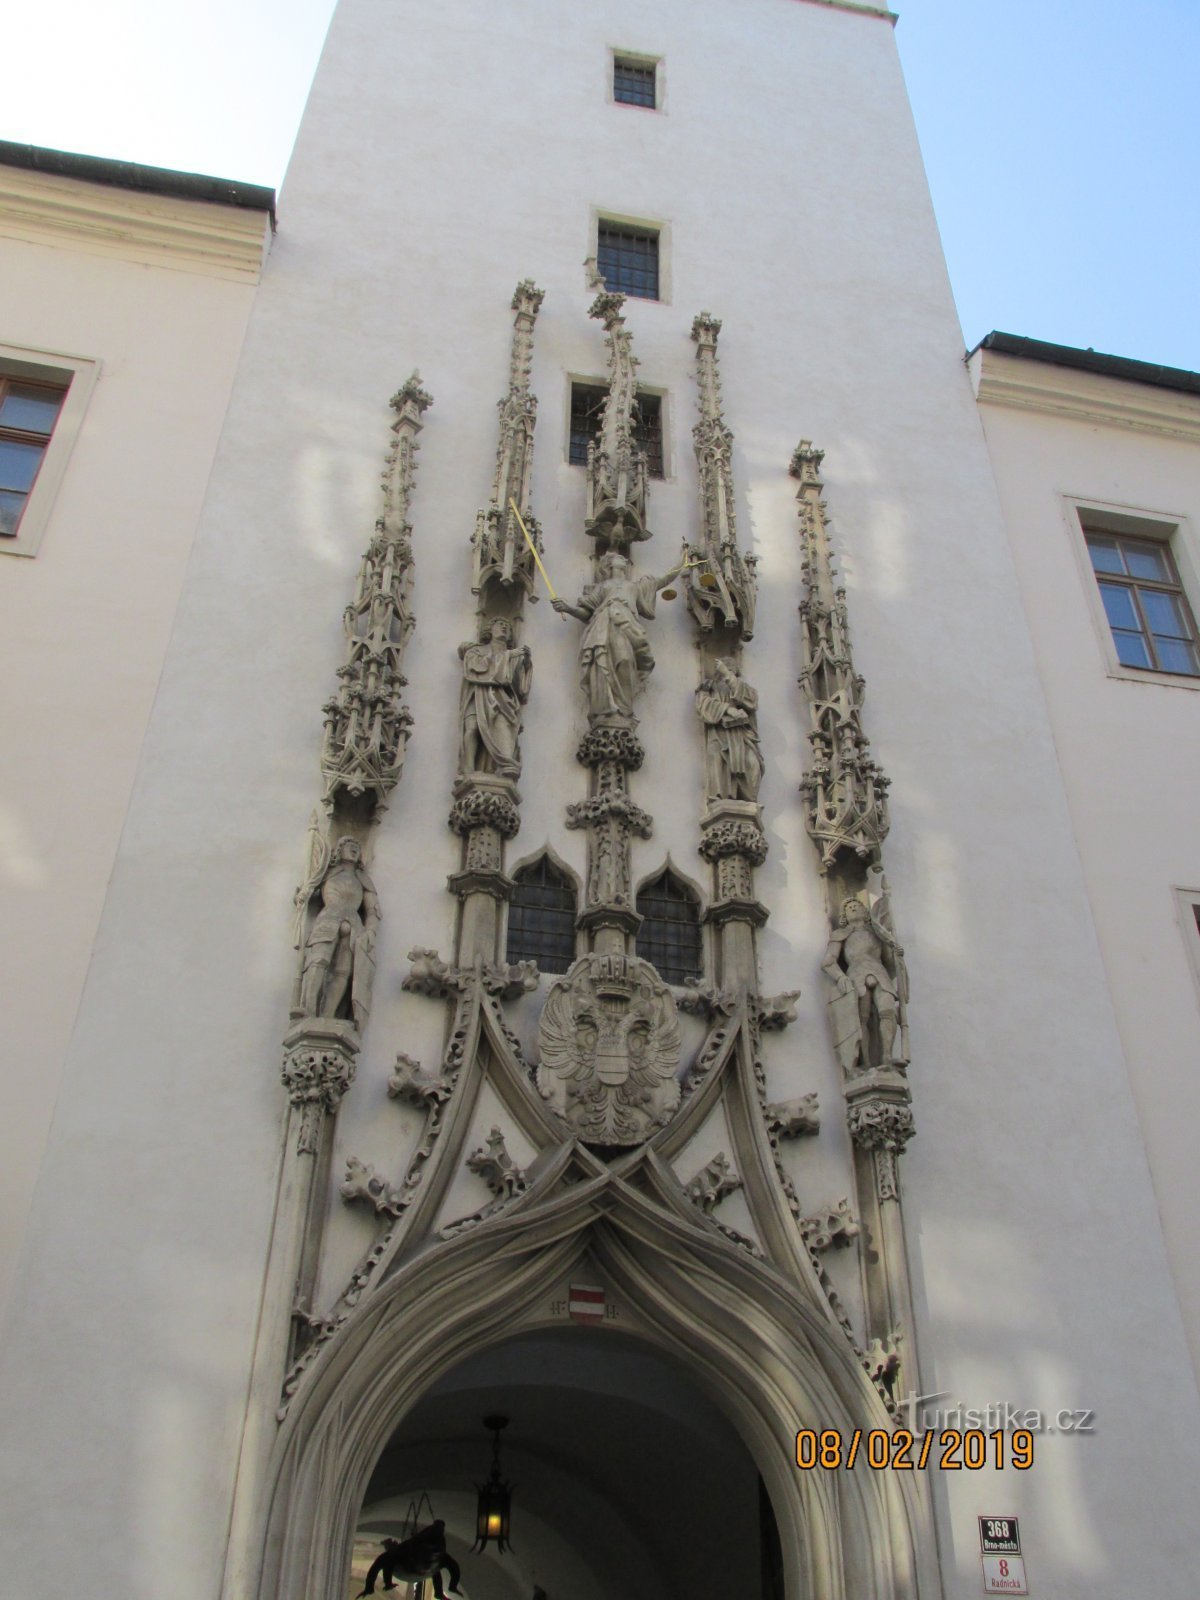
<point>736,910</point>
<point>319,1062</point>
<point>611,744</point>
<point>610,807</point>
<point>742,838</point>
<point>880,1122</point>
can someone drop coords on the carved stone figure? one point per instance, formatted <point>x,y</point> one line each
<point>410,1560</point>
<point>865,965</point>
<point>733,764</point>
<point>614,653</point>
<point>609,1039</point>
<point>338,961</point>
<point>496,679</point>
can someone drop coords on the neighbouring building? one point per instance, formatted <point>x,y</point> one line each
<point>633,975</point>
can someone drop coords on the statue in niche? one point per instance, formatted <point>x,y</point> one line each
<point>338,960</point>
<point>865,965</point>
<point>733,763</point>
<point>609,1045</point>
<point>614,653</point>
<point>496,677</point>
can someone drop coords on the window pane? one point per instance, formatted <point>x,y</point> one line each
<point>1104,553</point>
<point>1147,561</point>
<point>1118,604</point>
<point>633,83</point>
<point>11,507</point>
<point>19,464</point>
<point>31,408</point>
<point>628,260</point>
<point>587,414</point>
<point>1131,649</point>
<point>541,918</point>
<point>1164,614</point>
<point>669,936</point>
<point>1174,655</point>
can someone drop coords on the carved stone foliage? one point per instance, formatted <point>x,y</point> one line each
<point>366,721</point>
<point>727,707</point>
<point>479,807</point>
<point>617,744</point>
<point>501,551</point>
<point>791,1119</point>
<point>735,837</point>
<point>721,588</point>
<point>609,1046</point>
<point>412,1084</point>
<point>712,1183</point>
<point>362,1183</point>
<point>868,982</point>
<point>495,687</point>
<point>337,914</point>
<point>497,1168</point>
<point>830,1229</point>
<point>845,791</point>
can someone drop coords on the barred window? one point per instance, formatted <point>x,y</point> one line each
<point>634,82</point>
<point>587,413</point>
<point>541,917</point>
<point>669,936</point>
<point>627,258</point>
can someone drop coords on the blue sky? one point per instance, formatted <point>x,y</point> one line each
<point>1060,137</point>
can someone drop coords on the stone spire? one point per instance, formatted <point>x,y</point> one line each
<point>721,589</point>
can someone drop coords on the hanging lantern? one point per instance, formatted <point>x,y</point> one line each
<point>495,1497</point>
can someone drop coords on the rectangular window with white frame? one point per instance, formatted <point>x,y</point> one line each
<point>1142,590</point>
<point>43,397</point>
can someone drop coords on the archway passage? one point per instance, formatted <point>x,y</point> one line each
<point>629,1480</point>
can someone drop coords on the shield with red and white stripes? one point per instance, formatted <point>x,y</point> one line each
<point>586,1303</point>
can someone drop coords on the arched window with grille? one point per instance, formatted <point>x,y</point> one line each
<point>541,916</point>
<point>670,932</point>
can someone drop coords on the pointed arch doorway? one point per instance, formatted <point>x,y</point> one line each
<point>630,1479</point>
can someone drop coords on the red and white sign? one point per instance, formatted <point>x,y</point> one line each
<point>586,1303</point>
<point>1004,1575</point>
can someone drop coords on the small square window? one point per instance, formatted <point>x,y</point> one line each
<point>587,413</point>
<point>1148,614</point>
<point>634,82</point>
<point>28,413</point>
<point>627,258</point>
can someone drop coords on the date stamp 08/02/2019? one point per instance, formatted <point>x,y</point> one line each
<point>950,1450</point>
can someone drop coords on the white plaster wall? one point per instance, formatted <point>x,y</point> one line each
<point>1129,751</point>
<point>448,151</point>
<point>83,631</point>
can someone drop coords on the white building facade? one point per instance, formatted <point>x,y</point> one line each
<point>815,1098</point>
